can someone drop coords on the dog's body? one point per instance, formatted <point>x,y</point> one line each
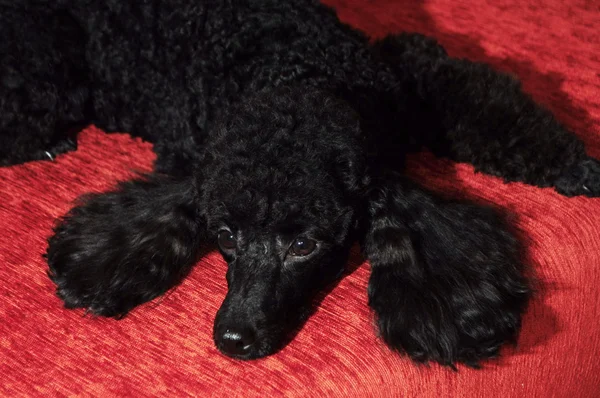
<point>281,133</point>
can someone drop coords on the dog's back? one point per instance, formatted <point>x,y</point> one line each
<point>164,70</point>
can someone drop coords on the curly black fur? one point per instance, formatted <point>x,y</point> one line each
<point>446,282</point>
<point>119,249</point>
<point>43,84</point>
<point>283,132</point>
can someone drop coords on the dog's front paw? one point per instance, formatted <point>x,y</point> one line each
<point>120,249</point>
<point>447,284</point>
<point>87,274</point>
<point>437,320</point>
<point>94,268</point>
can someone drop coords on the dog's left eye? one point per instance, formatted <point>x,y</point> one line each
<point>226,240</point>
<point>303,247</point>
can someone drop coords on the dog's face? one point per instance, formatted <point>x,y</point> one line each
<point>280,250</point>
<point>279,185</point>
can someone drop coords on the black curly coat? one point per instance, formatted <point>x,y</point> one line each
<point>281,135</point>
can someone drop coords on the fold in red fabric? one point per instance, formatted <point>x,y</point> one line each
<point>165,348</point>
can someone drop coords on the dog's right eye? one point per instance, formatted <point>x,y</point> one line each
<point>226,240</point>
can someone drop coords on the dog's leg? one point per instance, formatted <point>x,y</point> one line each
<point>447,284</point>
<point>474,114</point>
<point>119,249</point>
<point>43,83</point>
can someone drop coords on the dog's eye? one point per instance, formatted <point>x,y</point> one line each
<point>303,247</point>
<point>226,240</point>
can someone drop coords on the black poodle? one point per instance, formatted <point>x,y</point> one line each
<point>281,135</point>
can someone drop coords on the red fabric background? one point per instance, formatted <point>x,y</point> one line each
<point>166,348</point>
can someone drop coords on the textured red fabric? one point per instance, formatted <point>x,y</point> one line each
<point>166,348</point>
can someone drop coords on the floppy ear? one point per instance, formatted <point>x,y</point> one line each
<point>446,283</point>
<point>119,249</point>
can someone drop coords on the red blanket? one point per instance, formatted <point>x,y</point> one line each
<point>166,348</point>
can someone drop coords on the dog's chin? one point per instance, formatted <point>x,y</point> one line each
<point>255,353</point>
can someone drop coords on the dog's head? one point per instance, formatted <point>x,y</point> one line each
<point>279,180</point>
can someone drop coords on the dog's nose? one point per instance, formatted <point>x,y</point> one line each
<point>236,343</point>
